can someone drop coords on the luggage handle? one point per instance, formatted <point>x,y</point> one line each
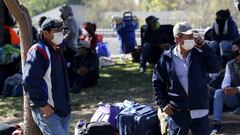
<point>128,13</point>
<point>134,110</point>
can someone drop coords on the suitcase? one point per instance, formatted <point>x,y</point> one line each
<point>95,128</point>
<point>107,113</point>
<point>138,120</point>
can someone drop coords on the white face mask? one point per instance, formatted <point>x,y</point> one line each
<point>58,38</point>
<point>188,44</point>
<point>84,32</point>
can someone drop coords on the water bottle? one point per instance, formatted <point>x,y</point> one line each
<point>80,123</point>
<point>77,129</point>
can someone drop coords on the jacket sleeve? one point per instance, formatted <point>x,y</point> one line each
<point>227,77</point>
<point>71,23</point>
<point>232,30</point>
<point>212,61</point>
<point>33,73</point>
<point>159,85</point>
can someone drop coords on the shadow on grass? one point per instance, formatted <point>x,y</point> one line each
<point>116,84</point>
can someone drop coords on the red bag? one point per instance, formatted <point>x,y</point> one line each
<point>99,38</point>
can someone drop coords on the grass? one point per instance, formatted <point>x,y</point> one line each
<point>117,83</point>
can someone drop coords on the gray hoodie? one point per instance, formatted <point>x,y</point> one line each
<point>71,23</point>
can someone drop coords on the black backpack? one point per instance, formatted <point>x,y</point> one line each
<point>95,128</point>
<point>136,53</point>
<point>6,129</point>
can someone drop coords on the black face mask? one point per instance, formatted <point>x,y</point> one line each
<point>235,54</point>
<point>220,21</point>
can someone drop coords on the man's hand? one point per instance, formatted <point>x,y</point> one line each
<point>82,71</point>
<point>168,109</point>
<point>199,42</point>
<point>230,91</point>
<point>47,110</point>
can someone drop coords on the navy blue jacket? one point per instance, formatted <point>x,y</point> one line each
<point>168,88</point>
<point>231,35</point>
<point>45,78</point>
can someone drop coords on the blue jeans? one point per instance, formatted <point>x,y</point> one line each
<point>219,99</point>
<point>224,47</point>
<point>52,125</point>
<point>180,123</point>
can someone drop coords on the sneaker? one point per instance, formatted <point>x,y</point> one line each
<point>142,70</point>
<point>217,126</point>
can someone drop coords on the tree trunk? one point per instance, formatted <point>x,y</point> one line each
<point>23,19</point>
<point>1,23</point>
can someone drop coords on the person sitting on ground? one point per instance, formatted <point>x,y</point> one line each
<point>85,67</point>
<point>229,95</point>
<point>89,35</point>
<point>153,42</point>
<point>224,32</point>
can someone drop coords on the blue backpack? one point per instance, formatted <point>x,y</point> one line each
<point>102,49</point>
<point>13,86</point>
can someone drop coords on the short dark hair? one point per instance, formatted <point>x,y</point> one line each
<point>41,20</point>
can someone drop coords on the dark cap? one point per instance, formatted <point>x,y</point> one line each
<point>51,24</point>
<point>151,19</point>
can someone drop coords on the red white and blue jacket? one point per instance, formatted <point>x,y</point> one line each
<point>45,78</point>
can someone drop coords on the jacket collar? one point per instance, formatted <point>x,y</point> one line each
<point>169,53</point>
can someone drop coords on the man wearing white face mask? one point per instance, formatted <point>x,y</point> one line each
<point>179,82</point>
<point>46,83</point>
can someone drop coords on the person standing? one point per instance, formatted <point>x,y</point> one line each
<point>46,83</point>
<point>71,23</point>
<point>180,85</point>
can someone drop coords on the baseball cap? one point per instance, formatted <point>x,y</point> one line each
<point>182,28</point>
<point>151,19</point>
<point>51,24</point>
